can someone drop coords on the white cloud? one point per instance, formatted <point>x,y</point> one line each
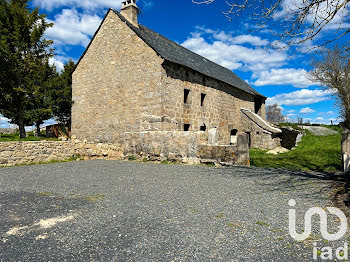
<point>5,122</point>
<point>317,14</point>
<point>319,119</point>
<point>306,110</point>
<point>327,113</point>
<point>49,122</point>
<point>73,28</point>
<point>225,51</point>
<point>248,39</point>
<point>59,64</point>
<point>300,97</point>
<point>86,4</point>
<point>283,76</point>
<point>325,121</point>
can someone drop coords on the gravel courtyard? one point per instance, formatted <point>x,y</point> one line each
<point>129,211</point>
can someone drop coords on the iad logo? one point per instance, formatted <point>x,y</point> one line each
<point>326,252</point>
<point>323,222</point>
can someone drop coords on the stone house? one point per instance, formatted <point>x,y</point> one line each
<point>137,89</point>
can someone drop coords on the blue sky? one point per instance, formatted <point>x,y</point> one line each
<point>237,45</point>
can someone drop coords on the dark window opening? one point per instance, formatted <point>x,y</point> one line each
<point>187,127</point>
<point>233,139</point>
<point>234,132</point>
<point>186,95</point>
<point>203,128</point>
<point>258,133</point>
<point>203,99</point>
<point>258,102</point>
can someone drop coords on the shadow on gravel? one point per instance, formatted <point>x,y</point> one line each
<point>24,208</point>
<point>284,180</point>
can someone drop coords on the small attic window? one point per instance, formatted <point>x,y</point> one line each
<point>203,128</point>
<point>187,127</point>
<point>203,99</point>
<point>186,95</point>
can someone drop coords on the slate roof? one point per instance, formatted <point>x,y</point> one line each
<point>173,52</point>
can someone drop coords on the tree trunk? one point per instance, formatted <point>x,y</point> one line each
<point>37,130</point>
<point>22,130</point>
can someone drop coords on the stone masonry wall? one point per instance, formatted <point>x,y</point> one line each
<point>259,138</point>
<point>186,147</point>
<point>121,85</point>
<point>117,80</point>
<point>20,153</point>
<point>221,107</point>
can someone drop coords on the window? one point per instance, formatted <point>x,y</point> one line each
<point>203,99</point>
<point>203,128</point>
<point>233,140</point>
<point>186,95</point>
<point>187,127</point>
<point>258,102</point>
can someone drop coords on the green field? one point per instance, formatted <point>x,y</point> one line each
<point>315,153</point>
<point>30,137</point>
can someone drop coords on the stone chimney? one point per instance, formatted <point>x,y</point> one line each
<point>130,11</point>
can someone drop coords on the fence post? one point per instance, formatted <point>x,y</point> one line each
<point>345,148</point>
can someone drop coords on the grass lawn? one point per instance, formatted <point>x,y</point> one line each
<point>30,137</point>
<point>315,153</point>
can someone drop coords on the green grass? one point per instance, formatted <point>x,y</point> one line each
<point>314,153</point>
<point>132,158</point>
<point>260,223</point>
<point>30,137</point>
<point>71,159</point>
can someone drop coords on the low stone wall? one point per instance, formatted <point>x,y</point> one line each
<point>173,144</point>
<point>186,147</point>
<point>19,153</point>
<point>8,131</point>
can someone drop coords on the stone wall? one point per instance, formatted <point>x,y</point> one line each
<point>220,109</point>
<point>259,138</point>
<point>121,85</point>
<point>117,81</point>
<point>20,153</point>
<point>185,147</point>
<point>8,131</point>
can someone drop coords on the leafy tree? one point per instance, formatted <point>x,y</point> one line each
<point>297,22</point>
<point>40,97</point>
<point>62,95</point>
<point>333,72</point>
<point>274,113</point>
<point>22,49</point>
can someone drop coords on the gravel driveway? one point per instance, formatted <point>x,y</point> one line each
<point>128,211</point>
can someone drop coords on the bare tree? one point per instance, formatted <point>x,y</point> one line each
<point>274,113</point>
<point>298,21</point>
<point>333,72</point>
